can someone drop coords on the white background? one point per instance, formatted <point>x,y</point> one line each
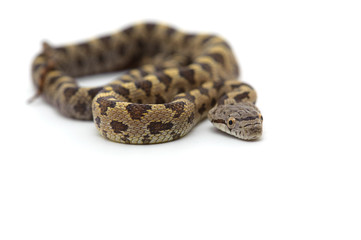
<point>59,179</point>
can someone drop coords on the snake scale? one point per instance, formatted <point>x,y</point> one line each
<point>171,81</point>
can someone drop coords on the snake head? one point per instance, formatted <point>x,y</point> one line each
<point>242,120</point>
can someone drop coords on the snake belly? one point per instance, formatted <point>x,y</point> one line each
<point>171,80</point>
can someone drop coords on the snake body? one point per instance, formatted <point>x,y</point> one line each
<point>171,81</point>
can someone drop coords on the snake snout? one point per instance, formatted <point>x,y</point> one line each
<point>253,132</point>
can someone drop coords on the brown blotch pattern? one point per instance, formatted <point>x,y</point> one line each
<point>177,107</point>
<point>207,39</point>
<point>64,82</point>
<point>94,91</point>
<point>69,92</point>
<point>175,135</point>
<point>191,118</point>
<point>159,99</point>
<point>137,111</point>
<point>97,121</point>
<point>118,127</point>
<point>170,31</point>
<point>157,127</point>
<point>188,38</point>
<point>164,78</point>
<point>206,67</point>
<point>241,96</point>
<point>203,91</point>
<point>85,47</point>
<point>188,74</point>
<point>217,57</point>
<point>146,139</point>
<point>202,109</point>
<point>125,138</point>
<point>122,49</point>
<point>106,40</point>
<point>52,80</point>
<point>150,27</point>
<point>187,96</point>
<point>104,103</point>
<point>121,90</point>
<point>128,30</point>
<point>145,85</point>
<point>80,107</point>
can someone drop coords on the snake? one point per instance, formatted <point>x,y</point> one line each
<point>169,81</point>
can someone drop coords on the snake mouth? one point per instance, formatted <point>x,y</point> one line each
<point>218,121</point>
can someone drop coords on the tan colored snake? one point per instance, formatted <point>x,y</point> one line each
<point>172,79</point>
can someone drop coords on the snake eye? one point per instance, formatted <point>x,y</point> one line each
<point>231,122</point>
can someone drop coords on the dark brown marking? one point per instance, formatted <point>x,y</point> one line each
<point>145,85</point>
<point>125,138</point>
<point>122,49</point>
<point>175,135</point>
<point>218,121</point>
<point>146,139</point>
<point>206,67</point>
<point>69,92</point>
<point>140,44</point>
<point>177,107</point>
<point>94,91</point>
<point>187,96</point>
<point>207,39</point>
<point>70,80</point>
<point>202,109</point>
<point>164,78</point>
<point>222,99</point>
<point>213,102</point>
<point>142,72</point>
<point>52,80</point>
<point>37,66</point>
<point>241,96</point>
<point>236,85</point>
<point>150,27</point>
<point>187,38</point>
<point>106,40</point>
<point>97,121</point>
<point>129,30</point>
<point>118,127</point>
<point>101,58</point>
<point>85,46</point>
<point>188,74</point>
<point>181,90</point>
<point>217,57</point>
<point>157,127</point>
<point>170,31</point>
<point>219,84</point>
<point>80,107</point>
<point>137,111</point>
<point>120,90</point>
<point>159,99</point>
<point>63,50</point>
<point>104,103</point>
<point>203,91</point>
<point>191,118</point>
<point>79,62</point>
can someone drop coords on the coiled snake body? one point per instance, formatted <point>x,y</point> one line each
<point>171,82</point>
